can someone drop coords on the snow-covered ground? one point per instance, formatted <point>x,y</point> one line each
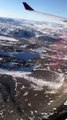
<point>35,55</point>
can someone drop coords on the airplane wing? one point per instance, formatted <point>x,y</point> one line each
<point>61,19</point>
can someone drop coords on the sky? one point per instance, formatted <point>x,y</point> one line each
<point>15,9</point>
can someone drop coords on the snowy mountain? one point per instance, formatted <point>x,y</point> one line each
<point>42,39</point>
<point>34,56</point>
<point>27,29</point>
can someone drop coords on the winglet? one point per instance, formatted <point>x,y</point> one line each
<point>27,7</point>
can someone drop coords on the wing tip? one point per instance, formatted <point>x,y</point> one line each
<point>27,7</point>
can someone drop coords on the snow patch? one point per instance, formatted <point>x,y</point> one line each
<point>7,38</point>
<point>65,103</point>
